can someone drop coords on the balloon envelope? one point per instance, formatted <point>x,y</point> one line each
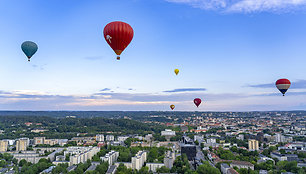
<point>172,107</point>
<point>283,85</point>
<point>29,48</point>
<point>118,35</point>
<point>176,71</point>
<point>197,101</point>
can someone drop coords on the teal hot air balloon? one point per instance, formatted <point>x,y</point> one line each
<point>29,48</point>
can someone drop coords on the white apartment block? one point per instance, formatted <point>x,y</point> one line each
<point>81,154</point>
<point>111,157</point>
<point>154,166</point>
<point>110,138</point>
<point>99,137</point>
<point>139,159</point>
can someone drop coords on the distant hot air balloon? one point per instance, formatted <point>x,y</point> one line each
<point>176,71</point>
<point>283,85</point>
<point>29,48</point>
<point>118,35</point>
<point>172,107</point>
<point>197,101</point>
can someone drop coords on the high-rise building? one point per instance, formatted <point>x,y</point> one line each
<point>22,144</point>
<point>99,137</point>
<point>190,150</point>
<point>110,157</point>
<point>279,138</point>
<point>253,145</point>
<point>39,140</point>
<point>3,145</point>
<point>169,159</point>
<point>139,159</point>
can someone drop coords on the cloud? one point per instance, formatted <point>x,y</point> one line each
<point>186,90</point>
<point>300,84</point>
<point>245,6</point>
<point>33,100</point>
<point>105,89</point>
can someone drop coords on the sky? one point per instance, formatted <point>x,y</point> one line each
<point>229,53</point>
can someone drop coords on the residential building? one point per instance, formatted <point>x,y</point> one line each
<point>22,144</point>
<point>80,154</point>
<point>99,137</point>
<point>139,159</point>
<point>39,140</point>
<point>224,168</point>
<point>242,164</point>
<point>122,138</point>
<point>149,137</point>
<point>169,159</point>
<point>168,133</point>
<point>232,171</point>
<point>240,137</point>
<point>253,145</point>
<point>154,166</point>
<point>279,138</point>
<point>285,157</point>
<point>111,157</point>
<point>3,145</point>
<point>110,138</point>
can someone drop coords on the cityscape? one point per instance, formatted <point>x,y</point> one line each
<point>152,87</point>
<point>167,142</point>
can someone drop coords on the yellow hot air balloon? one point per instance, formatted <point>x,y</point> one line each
<point>176,71</point>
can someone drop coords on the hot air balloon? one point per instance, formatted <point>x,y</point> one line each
<point>118,35</point>
<point>172,107</point>
<point>197,101</point>
<point>176,71</point>
<point>283,85</point>
<point>29,48</point>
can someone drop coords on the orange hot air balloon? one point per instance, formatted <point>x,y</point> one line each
<point>118,35</point>
<point>172,107</point>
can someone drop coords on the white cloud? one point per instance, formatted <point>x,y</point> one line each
<point>245,6</point>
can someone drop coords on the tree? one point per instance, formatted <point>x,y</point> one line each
<point>102,168</point>
<point>22,162</point>
<point>163,169</point>
<point>144,170</point>
<point>206,168</point>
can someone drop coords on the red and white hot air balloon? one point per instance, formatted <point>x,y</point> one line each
<point>118,35</point>
<point>283,85</point>
<point>197,101</point>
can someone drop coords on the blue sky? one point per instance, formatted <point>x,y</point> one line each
<point>229,52</point>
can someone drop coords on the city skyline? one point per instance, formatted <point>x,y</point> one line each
<point>229,54</point>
